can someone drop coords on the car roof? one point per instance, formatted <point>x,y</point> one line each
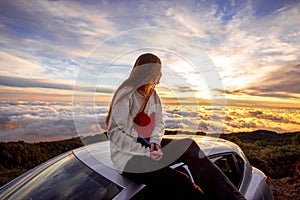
<point>97,156</point>
<point>210,145</point>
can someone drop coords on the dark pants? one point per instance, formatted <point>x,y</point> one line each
<point>210,181</point>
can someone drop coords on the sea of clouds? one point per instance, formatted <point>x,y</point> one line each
<point>34,121</point>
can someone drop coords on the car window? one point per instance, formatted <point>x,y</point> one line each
<point>67,178</point>
<point>240,163</point>
<point>231,165</point>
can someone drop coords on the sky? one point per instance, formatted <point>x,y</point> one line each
<point>242,53</point>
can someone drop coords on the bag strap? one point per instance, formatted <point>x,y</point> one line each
<point>147,99</point>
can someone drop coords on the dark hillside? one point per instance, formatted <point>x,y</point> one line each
<point>263,136</point>
<point>18,157</point>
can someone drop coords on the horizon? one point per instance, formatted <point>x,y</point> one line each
<point>34,121</point>
<point>232,61</point>
<point>169,132</point>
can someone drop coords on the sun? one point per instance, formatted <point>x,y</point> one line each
<point>191,79</point>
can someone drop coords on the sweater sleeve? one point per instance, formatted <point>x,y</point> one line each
<point>158,131</point>
<point>118,130</point>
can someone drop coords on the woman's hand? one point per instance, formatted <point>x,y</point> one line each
<point>155,151</point>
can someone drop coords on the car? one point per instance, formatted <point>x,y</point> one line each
<point>88,173</point>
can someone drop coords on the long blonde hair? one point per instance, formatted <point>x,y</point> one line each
<point>146,70</point>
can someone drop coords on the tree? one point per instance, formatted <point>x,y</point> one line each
<point>234,139</point>
<point>296,139</point>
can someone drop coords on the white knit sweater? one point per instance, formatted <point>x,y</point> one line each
<point>121,133</point>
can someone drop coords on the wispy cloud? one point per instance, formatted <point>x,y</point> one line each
<point>259,51</point>
<point>49,84</point>
<point>55,39</point>
<point>284,79</point>
<point>40,83</point>
<point>282,82</point>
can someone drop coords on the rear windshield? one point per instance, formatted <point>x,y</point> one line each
<point>67,178</point>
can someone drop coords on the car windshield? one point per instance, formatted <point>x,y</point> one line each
<point>67,178</point>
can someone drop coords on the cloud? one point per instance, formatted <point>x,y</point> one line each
<point>248,119</point>
<point>55,37</point>
<point>284,79</point>
<point>254,46</point>
<point>281,82</point>
<point>34,120</point>
<point>31,119</point>
<point>50,84</point>
<point>64,22</point>
<point>40,83</point>
<point>14,65</point>
<point>51,45</point>
<point>256,113</point>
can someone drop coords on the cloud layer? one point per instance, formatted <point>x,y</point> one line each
<point>34,121</point>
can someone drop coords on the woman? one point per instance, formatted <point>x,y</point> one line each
<point>138,151</point>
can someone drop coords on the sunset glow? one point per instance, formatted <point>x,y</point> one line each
<point>237,62</point>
